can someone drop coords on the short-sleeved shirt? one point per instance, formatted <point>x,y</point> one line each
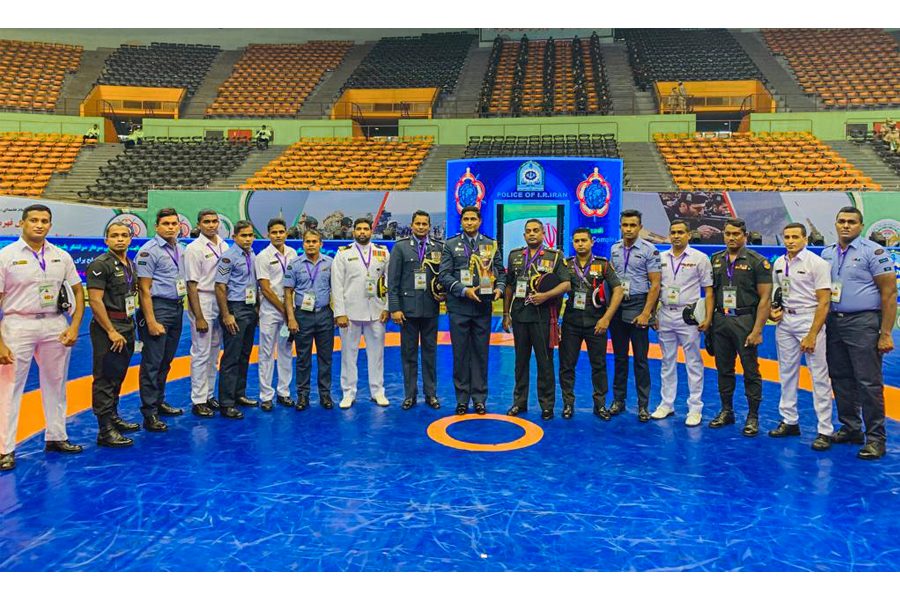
<point>635,265</point>
<point>683,276</point>
<point>237,270</point>
<point>800,277</point>
<point>163,265</point>
<point>856,270</point>
<point>304,276</point>
<point>272,265</point>
<point>522,266</point>
<point>748,270</point>
<point>597,272</point>
<point>200,259</point>
<point>117,279</point>
<point>23,281</point>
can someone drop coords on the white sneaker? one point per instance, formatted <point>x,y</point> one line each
<point>346,403</point>
<point>661,413</point>
<point>381,401</point>
<point>693,419</point>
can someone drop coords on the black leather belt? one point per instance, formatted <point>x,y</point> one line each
<point>850,314</point>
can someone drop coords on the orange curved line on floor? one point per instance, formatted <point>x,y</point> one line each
<point>78,391</point>
<point>437,431</point>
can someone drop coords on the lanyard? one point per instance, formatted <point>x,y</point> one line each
<point>627,252</point>
<point>249,268</point>
<point>40,259</point>
<point>841,256</point>
<point>174,257</point>
<point>312,272</point>
<point>730,268</point>
<point>281,261</point>
<point>469,248</point>
<point>787,265</point>
<point>672,263</point>
<point>582,274</point>
<point>531,261</point>
<point>423,245</point>
<point>214,250</point>
<point>128,275</point>
<point>364,261</point>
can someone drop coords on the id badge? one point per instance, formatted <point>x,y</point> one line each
<point>580,300</point>
<point>309,302</point>
<point>785,287</point>
<point>836,289</point>
<point>465,277</point>
<point>626,287</point>
<point>521,288</point>
<point>48,298</point>
<point>180,287</point>
<point>420,281</point>
<point>485,285</point>
<point>673,293</point>
<point>370,288</point>
<point>250,296</point>
<point>284,332</point>
<point>130,305</point>
<point>729,297</point>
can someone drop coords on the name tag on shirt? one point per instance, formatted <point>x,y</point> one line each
<point>48,298</point>
<point>580,301</point>
<point>673,293</point>
<point>370,288</point>
<point>785,287</point>
<point>130,305</point>
<point>626,287</point>
<point>465,277</point>
<point>521,288</point>
<point>836,289</point>
<point>250,295</point>
<point>420,281</point>
<point>309,302</point>
<point>180,287</point>
<point>729,297</point>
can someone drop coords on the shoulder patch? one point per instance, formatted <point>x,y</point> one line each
<point>342,248</point>
<point>879,251</point>
<point>145,254</point>
<point>766,264</point>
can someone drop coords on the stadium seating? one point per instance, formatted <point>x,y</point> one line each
<point>545,77</point>
<point>28,160</point>
<point>186,163</point>
<point>31,74</point>
<point>687,55</point>
<point>273,80</point>
<point>790,161</point>
<point>884,152</point>
<point>159,65</point>
<point>345,164</point>
<point>847,68</point>
<point>433,60</point>
<point>586,144</point>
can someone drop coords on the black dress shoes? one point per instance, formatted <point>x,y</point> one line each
<point>725,417</point>
<point>751,427</point>
<point>285,401</point>
<point>546,414</point>
<point>155,424</point>
<point>168,411</point>
<point>822,442</point>
<point>516,410</point>
<point>327,403</point>
<point>408,403</point>
<point>845,436</point>
<point>643,414</point>
<point>568,411</point>
<point>872,451</point>
<point>433,402</point>
<point>785,430</point>
<point>213,403</point>
<point>124,426</point>
<point>8,461</point>
<point>203,411</point>
<point>245,401</point>
<point>267,405</point>
<point>480,409</point>
<point>462,409</point>
<point>602,413</point>
<point>62,446</point>
<point>111,438</point>
<point>302,403</point>
<point>617,407</point>
<point>230,412</point>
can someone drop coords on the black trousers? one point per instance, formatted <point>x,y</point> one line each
<point>109,370</point>
<point>236,353</point>
<point>623,333</point>
<point>570,349</point>
<point>730,334</point>
<point>315,327</point>
<point>419,332</point>
<point>854,365</point>
<point>158,352</point>
<point>528,337</point>
<point>470,337</point>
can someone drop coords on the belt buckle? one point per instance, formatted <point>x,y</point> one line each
<point>40,316</point>
<point>728,311</point>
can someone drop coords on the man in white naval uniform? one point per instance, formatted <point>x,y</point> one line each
<point>684,271</point>
<point>32,271</point>
<point>200,258</point>
<point>271,265</point>
<point>359,311</point>
<point>805,283</point>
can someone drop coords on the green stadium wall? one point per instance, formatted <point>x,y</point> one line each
<point>286,131</point>
<point>42,123</point>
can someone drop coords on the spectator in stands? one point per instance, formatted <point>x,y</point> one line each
<point>135,138</point>
<point>682,97</point>
<point>672,101</point>
<point>263,137</point>
<point>891,134</point>
<point>93,133</point>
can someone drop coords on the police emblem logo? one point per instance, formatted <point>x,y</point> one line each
<point>530,177</point>
<point>593,195</point>
<point>469,191</point>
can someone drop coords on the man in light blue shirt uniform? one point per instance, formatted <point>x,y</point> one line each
<point>858,331</point>
<point>237,294</point>
<point>162,288</point>
<point>307,301</point>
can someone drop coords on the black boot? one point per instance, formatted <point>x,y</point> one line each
<point>111,438</point>
<point>124,426</point>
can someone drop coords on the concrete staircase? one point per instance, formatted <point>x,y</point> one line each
<point>76,87</point>
<point>219,71</point>
<point>256,160</point>
<point>626,98</point>
<point>463,102</point>
<point>645,168</point>
<point>84,172</point>
<point>780,83</point>
<point>867,160</point>
<point>432,175</point>
<point>318,104</point>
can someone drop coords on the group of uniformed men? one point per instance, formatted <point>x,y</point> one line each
<point>837,311</point>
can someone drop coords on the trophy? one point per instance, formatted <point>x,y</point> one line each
<point>481,262</point>
<point>432,264</point>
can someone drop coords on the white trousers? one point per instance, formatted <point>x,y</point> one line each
<point>373,332</point>
<point>28,337</point>
<point>788,334</point>
<point>205,350</point>
<point>674,332</point>
<point>270,324</point>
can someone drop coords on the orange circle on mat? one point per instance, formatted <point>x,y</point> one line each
<point>437,431</point>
